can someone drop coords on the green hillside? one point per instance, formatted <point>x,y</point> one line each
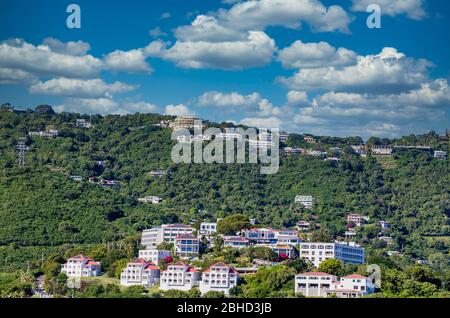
<point>41,208</point>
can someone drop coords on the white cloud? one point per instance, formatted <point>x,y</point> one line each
<point>92,88</point>
<point>207,28</point>
<point>15,76</point>
<point>258,14</point>
<point>314,55</point>
<point>165,15</point>
<point>344,114</point>
<point>42,61</point>
<point>157,32</point>
<point>231,100</point>
<point>139,107</point>
<point>389,71</point>
<point>413,9</point>
<point>104,106</point>
<point>178,110</point>
<point>89,106</point>
<point>77,48</point>
<point>259,122</point>
<point>295,98</point>
<point>133,61</point>
<point>256,51</point>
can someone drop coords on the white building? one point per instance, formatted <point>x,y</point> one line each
<point>313,284</point>
<point>382,150</point>
<point>319,252</point>
<point>229,136</point>
<point>153,255</point>
<point>318,284</point>
<point>179,276</point>
<point>442,155</point>
<point>83,123</point>
<point>360,150</point>
<point>207,229</point>
<point>290,150</point>
<point>316,153</point>
<point>140,272</point>
<point>352,286</point>
<point>310,139</point>
<point>81,266</point>
<point>187,122</point>
<point>235,242</point>
<point>49,133</point>
<point>219,277</point>
<point>164,233</point>
<point>357,219</point>
<point>260,144</point>
<point>306,200</point>
<point>151,199</point>
<point>187,246</point>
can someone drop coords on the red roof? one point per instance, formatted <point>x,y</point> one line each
<point>80,257</point>
<point>186,236</point>
<point>354,276</point>
<point>92,263</point>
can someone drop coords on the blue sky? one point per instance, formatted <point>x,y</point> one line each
<point>301,65</point>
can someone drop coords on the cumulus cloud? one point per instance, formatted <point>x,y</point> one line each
<point>314,55</point>
<point>231,100</point>
<point>15,76</point>
<point>295,98</point>
<point>92,88</point>
<point>157,32</point>
<point>77,48</point>
<point>389,71</point>
<point>343,113</point>
<point>104,106</point>
<point>133,61</point>
<point>207,28</point>
<point>413,9</point>
<point>260,122</point>
<point>178,110</point>
<point>89,106</point>
<point>259,14</point>
<point>257,50</point>
<point>41,60</point>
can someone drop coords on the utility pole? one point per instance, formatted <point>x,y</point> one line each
<point>22,148</point>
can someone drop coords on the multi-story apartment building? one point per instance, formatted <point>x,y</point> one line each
<point>179,276</point>
<point>140,272</point>
<point>207,229</point>
<point>306,200</point>
<point>81,266</point>
<point>352,286</point>
<point>260,235</point>
<point>383,150</point>
<point>310,139</point>
<point>235,242</point>
<point>187,246</point>
<point>48,133</point>
<point>187,122</point>
<point>318,284</point>
<point>229,136</point>
<point>287,237</point>
<point>318,252</point>
<point>153,255</point>
<point>83,123</point>
<point>219,277</point>
<point>313,284</point>
<point>164,233</point>
<point>357,219</point>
